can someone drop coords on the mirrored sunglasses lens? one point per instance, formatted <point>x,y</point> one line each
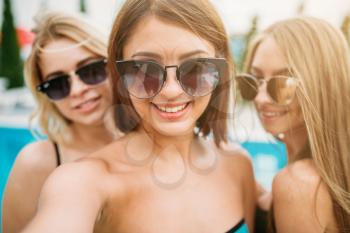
<point>282,90</point>
<point>199,78</point>
<point>57,88</point>
<point>142,79</point>
<point>247,86</point>
<point>93,73</point>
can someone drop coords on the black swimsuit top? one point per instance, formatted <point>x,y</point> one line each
<point>58,155</point>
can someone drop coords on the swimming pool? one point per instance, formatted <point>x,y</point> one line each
<point>268,157</point>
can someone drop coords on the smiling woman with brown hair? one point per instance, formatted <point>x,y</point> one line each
<point>171,69</point>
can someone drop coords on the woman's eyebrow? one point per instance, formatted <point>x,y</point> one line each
<point>281,71</point>
<point>79,64</point>
<point>53,74</point>
<point>158,57</point>
<point>147,54</point>
<point>192,53</point>
<point>86,60</point>
<point>276,72</point>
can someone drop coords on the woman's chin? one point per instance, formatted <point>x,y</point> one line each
<point>173,129</point>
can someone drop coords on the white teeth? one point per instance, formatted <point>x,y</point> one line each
<point>171,109</point>
<point>272,114</point>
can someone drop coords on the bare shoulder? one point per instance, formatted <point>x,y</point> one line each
<point>235,155</point>
<point>36,156</point>
<point>238,163</point>
<point>87,169</point>
<point>297,182</point>
<point>73,189</point>
<point>76,178</point>
<point>232,148</point>
<point>239,166</point>
<point>299,187</point>
<point>32,166</point>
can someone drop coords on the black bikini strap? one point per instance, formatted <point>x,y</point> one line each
<point>58,156</point>
<point>235,228</point>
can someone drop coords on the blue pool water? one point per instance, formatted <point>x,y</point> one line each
<point>267,158</point>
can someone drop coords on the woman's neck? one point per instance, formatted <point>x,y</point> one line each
<point>90,137</point>
<point>165,157</point>
<point>296,142</point>
<point>177,145</point>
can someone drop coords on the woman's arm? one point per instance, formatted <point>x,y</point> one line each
<point>33,165</point>
<point>70,200</point>
<point>242,166</point>
<point>249,188</point>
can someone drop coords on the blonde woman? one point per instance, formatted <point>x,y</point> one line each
<point>66,73</point>
<point>171,77</point>
<point>299,79</point>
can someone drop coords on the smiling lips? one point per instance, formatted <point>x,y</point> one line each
<point>272,114</point>
<point>268,116</point>
<point>171,111</point>
<point>88,105</point>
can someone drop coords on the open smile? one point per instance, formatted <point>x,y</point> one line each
<point>171,111</point>
<point>88,105</point>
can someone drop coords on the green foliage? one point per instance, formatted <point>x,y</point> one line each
<point>82,5</point>
<point>11,65</point>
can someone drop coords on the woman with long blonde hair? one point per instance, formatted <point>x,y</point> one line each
<point>298,74</point>
<point>66,73</point>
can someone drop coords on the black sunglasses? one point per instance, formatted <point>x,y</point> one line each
<point>281,89</point>
<point>58,87</point>
<point>197,77</point>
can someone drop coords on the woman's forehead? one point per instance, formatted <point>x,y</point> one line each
<point>165,39</point>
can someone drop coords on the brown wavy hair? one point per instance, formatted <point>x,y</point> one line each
<point>197,16</point>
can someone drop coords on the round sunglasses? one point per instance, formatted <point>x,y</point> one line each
<point>281,89</point>
<point>58,86</point>
<point>145,79</point>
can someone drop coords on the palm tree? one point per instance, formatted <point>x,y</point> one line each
<point>11,65</point>
<point>82,5</point>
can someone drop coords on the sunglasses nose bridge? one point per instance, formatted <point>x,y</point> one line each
<point>262,83</point>
<point>171,86</point>
<point>262,94</point>
<point>263,86</point>
<point>172,66</point>
<point>166,74</point>
<point>77,86</point>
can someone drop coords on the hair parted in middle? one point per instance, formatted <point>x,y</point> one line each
<point>197,16</point>
<point>318,56</point>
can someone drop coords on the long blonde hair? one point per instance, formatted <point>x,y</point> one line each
<point>51,26</point>
<point>319,58</point>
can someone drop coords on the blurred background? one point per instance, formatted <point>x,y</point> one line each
<point>242,19</point>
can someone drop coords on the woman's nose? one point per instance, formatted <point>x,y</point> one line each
<point>172,87</point>
<point>262,95</point>
<point>78,87</point>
